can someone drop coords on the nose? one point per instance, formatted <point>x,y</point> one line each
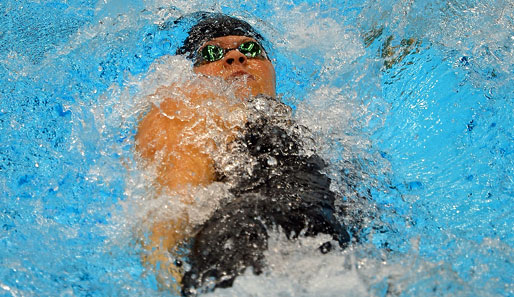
<point>235,57</point>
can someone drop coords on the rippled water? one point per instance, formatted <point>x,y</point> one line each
<point>410,101</point>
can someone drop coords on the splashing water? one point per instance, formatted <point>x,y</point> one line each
<point>409,101</point>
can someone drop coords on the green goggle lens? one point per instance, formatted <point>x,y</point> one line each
<point>212,53</point>
<point>250,49</point>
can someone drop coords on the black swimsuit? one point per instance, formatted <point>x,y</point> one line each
<point>283,188</point>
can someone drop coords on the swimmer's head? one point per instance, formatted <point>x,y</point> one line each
<point>213,25</point>
<point>223,46</point>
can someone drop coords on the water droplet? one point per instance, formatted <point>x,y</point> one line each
<point>272,161</point>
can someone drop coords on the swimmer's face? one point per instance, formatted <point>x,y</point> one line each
<point>251,76</point>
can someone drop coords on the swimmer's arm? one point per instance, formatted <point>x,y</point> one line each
<point>164,238</point>
<point>178,165</point>
<point>159,140</point>
<point>160,136</point>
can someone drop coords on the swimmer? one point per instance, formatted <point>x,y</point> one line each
<point>281,187</point>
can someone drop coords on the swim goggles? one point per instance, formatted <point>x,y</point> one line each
<point>213,53</point>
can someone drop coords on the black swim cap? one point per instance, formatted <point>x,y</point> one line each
<point>213,25</point>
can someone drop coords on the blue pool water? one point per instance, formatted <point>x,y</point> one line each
<point>413,98</point>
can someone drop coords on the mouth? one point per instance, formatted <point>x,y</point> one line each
<point>238,75</point>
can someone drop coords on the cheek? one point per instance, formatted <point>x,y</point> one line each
<point>273,74</point>
<point>210,69</point>
<point>267,73</point>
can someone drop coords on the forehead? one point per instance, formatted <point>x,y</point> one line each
<point>228,41</point>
